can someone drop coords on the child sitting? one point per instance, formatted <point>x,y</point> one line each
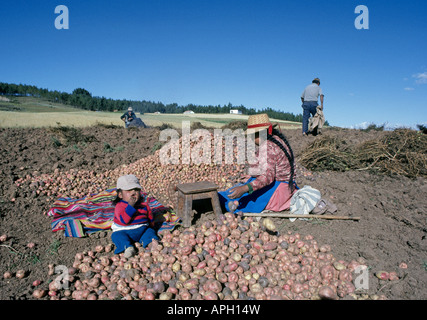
<point>133,219</point>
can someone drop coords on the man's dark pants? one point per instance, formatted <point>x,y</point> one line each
<point>309,107</point>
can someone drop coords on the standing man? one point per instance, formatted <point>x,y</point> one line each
<point>128,116</point>
<point>309,100</point>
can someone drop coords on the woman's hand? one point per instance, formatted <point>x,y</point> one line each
<point>237,192</point>
<point>244,178</point>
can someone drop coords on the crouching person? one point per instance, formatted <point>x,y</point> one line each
<point>133,219</point>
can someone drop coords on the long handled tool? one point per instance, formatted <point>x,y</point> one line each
<point>308,216</point>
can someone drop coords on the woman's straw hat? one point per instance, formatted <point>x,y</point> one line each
<point>259,122</point>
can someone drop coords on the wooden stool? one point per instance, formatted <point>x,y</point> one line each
<point>187,192</point>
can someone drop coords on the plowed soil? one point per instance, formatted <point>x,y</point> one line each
<point>392,208</point>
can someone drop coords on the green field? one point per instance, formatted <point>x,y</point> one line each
<point>33,112</point>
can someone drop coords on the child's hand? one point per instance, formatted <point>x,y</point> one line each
<point>132,201</point>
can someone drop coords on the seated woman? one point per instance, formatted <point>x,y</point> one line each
<point>273,187</point>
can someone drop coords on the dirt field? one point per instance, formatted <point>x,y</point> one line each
<point>392,209</point>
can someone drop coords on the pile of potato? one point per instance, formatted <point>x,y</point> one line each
<point>156,178</point>
<point>225,259</point>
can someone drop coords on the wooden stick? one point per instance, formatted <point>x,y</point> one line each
<point>9,247</point>
<point>308,216</point>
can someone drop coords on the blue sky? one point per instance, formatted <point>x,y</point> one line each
<point>256,53</point>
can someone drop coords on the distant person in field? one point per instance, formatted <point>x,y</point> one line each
<point>309,98</point>
<point>128,116</point>
<point>272,187</point>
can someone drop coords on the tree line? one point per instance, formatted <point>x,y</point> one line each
<point>83,99</point>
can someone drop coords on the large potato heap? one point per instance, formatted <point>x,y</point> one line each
<point>156,177</point>
<point>228,259</point>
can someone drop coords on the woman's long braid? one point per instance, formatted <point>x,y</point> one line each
<point>289,155</point>
<point>282,136</point>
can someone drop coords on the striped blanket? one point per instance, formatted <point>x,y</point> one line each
<point>78,217</point>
